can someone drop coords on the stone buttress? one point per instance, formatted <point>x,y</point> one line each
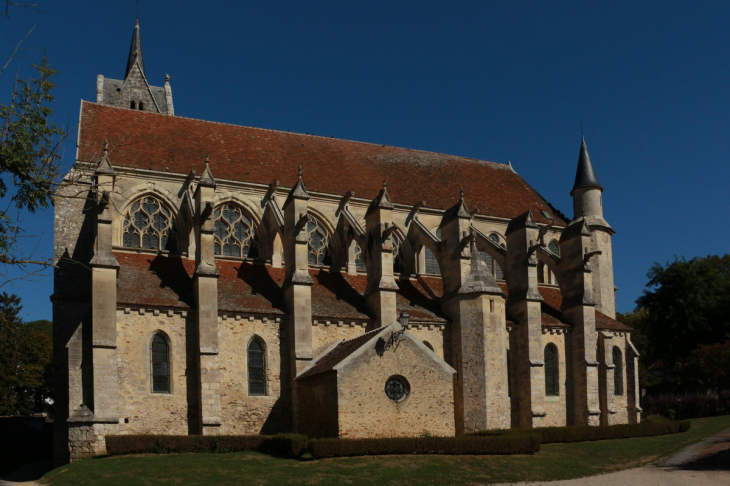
<point>298,284</point>
<point>381,287</point>
<point>524,305</point>
<point>475,304</point>
<point>205,282</point>
<point>578,309</point>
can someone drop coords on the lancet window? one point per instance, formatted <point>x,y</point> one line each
<point>553,247</point>
<point>432,264</point>
<point>618,371</point>
<point>149,224</point>
<point>318,243</point>
<point>551,370</point>
<point>399,265</point>
<point>160,364</point>
<point>256,368</point>
<point>234,232</point>
<point>359,258</point>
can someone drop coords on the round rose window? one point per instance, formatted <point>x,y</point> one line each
<point>397,388</point>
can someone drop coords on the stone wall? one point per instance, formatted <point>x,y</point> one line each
<point>556,407</point>
<point>242,413</point>
<point>324,335</point>
<point>365,410</point>
<point>141,410</point>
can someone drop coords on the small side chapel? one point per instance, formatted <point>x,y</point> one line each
<point>220,279</point>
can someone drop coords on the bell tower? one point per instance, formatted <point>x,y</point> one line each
<point>134,91</point>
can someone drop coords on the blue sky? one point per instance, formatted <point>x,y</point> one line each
<point>499,81</point>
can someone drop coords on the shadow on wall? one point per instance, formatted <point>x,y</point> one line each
<point>24,440</point>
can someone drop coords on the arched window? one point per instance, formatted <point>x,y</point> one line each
<point>553,247</point>
<point>256,368</point>
<point>618,372</point>
<point>360,264</point>
<point>318,243</point>
<point>551,370</point>
<point>432,264</point>
<point>493,266</point>
<point>149,224</point>
<point>234,232</point>
<point>141,105</point>
<point>399,265</point>
<point>133,105</point>
<point>160,364</point>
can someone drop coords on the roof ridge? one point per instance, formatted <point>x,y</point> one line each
<point>373,331</point>
<point>472,159</point>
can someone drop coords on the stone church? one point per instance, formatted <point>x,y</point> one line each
<point>221,279</point>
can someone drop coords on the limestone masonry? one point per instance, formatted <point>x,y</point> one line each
<point>217,279</point>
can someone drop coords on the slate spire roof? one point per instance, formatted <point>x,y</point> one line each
<point>135,51</point>
<point>585,176</point>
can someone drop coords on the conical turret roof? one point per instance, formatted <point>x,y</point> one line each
<point>135,51</point>
<point>585,176</point>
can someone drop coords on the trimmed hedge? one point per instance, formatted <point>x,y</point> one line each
<point>290,445</point>
<point>583,433</point>
<point>522,444</point>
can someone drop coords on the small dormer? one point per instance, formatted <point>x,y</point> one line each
<point>134,92</point>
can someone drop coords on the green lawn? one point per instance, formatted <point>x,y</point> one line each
<point>554,461</point>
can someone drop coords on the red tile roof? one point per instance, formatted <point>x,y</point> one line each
<point>166,281</point>
<point>605,322</point>
<point>171,143</point>
<point>338,353</point>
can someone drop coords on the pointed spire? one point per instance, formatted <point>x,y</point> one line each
<point>382,200</point>
<point>480,280</point>
<point>135,51</point>
<point>299,191</point>
<point>585,176</point>
<point>206,179</point>
<point>105,165</point>
<point>458,210</point>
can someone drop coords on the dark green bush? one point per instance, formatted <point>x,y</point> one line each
<point>522,444</point>
<point>290,445</point>
<point>583,433</point>
<point>692,405</point>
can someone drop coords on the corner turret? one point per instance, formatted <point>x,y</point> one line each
<point>586,191</point>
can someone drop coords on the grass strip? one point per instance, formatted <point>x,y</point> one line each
<point>553,462</point>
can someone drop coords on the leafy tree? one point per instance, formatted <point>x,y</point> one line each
<point>687,305</point>
<point>9,336</point>
<point>26,353</point>
<point>29,161</point>
<point>707,368</point>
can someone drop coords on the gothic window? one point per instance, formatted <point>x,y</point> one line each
<point>618,372</point>
<point>359,258</point>
<point>399,262</point>
<point>133,105</point>
<point>551,370</point>
<point>160,364</point>
<point>432,264</point>
<point>149,224</point>
<point>256,368</point>
<point>234,232</point>
<point>493,266</point>
<point>141,105</point>
<point>318,243</point>
<point>553,247</point>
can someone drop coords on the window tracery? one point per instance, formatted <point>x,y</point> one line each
<point>318,243</point>
<point>553,247</point>
<point>149,224</point>
<point>234,232</point>
<point>432,264</point>
<point>359,258</point>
